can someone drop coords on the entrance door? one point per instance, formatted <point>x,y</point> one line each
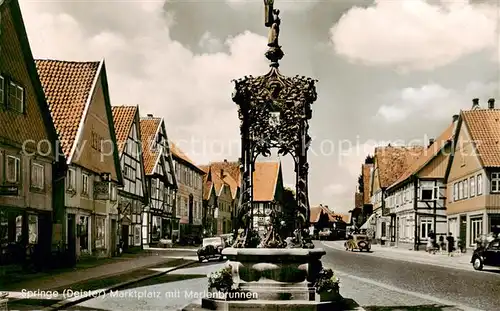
<point>125,237</point>
<point>71,228</point>
<point>190,209</point>
<point>463,230</point>
<point>113,232</point>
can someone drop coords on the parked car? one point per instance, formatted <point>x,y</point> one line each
<point>211,248</point>
<point>488,255</point>
<point>325,234</point>
<point>359,242</point>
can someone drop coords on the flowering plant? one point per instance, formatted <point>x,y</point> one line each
<point>327,281</point>
<point>222,280</point>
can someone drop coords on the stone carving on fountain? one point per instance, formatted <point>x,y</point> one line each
<point>274,111</point>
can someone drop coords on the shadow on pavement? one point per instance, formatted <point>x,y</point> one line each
<point>410,308</point>
<point>492,270</point>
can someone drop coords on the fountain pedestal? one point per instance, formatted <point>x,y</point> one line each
<point>273,279</point>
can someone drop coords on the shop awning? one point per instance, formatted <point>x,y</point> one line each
<point>368,222</point>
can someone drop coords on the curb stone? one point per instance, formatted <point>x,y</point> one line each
<point>68,302</point>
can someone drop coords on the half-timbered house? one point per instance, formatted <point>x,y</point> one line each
<point>133,196</point>
<point>416,201</point>
<point>159,216</point>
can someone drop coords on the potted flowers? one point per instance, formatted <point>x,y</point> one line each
<point>328,286</point>
<point>221,281</point>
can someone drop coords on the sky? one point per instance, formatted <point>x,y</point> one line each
<point>388,71</point>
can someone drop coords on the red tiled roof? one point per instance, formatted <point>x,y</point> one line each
<point>316,211</point>
<point>427,155</point>
<point>149,127</point>
<point>67,86</point>
<point>483,126</point>
<point>123,117</point>
<point>265,180</point>
<point>393,161</point>
<point>179,154</point>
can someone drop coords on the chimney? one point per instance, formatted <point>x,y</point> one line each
<point>150,115</point>
<point>221,173</point>
<point>431,141</point>
<point>491,103</point>
<point>455,118</point>
<point>225,160</point>
<point>475,103</point>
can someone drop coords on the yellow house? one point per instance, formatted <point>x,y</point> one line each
<point>473,176</point>
<point>77,93</point>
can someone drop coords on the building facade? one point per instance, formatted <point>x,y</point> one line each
<point>190,195</point>
<point>77,93</point>
<point>267,192</point>
<point>133,197</point>
<point>390,163</point>
<point>28,144</point>
<point>159,216</point>
<point>473,177</point>
<point>417,200</point>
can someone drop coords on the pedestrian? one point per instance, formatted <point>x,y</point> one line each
<point>442,244</point>
<point>451,244</point>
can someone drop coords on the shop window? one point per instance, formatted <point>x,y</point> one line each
<point>476,227</point>
<point>100,240</point>
<point>19,229</point>
<point>83,232</point>
<point>137,235</point>
<point>33,229</point>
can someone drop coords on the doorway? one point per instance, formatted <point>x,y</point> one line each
<point>125,237</point>
<point>463,229</point>
<point>113,232</point>
<point>190,209</point>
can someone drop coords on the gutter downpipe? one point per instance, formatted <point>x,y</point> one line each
<point>415,206</point>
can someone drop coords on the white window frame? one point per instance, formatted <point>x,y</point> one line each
<point>2,90</point>
<point>466,188</point>
<point>455,191</point>
<point>17,169</point>
<point>71,179</point>
<point>472,186</point>
<point>495,182</point>
<point>85,183</point>
<point>426,223</point>
<point>476,229</point>
<point>12,97</point>
<point>461,190</point>
<point>100,241</point>
<point>37,184</point>
<point>479,182</point>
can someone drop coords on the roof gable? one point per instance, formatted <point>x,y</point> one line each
<point>483,126</point>
<point>427,155</point>
<point>68,87</point>
<point>149,129</point>
<point>265,181</point>
<point>123,118</point>
<point>17,63</point>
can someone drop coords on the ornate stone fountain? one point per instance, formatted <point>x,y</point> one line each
<point>275,273</point>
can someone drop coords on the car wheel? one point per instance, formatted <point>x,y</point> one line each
<point>221,258</point>
<point>477,264</point>
<point>200,259</point>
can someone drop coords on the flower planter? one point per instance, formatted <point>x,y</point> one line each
<point>330,296</point>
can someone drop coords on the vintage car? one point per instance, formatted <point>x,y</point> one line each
<point>211,248</point>
<point>228,239</point>
<point>359,242</point>
<point>488,255</point>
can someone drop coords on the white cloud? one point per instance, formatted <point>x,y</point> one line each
<point>433,101</point>
<point>147,67</point>
<point>335,190</point>
<point>414,34</point>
